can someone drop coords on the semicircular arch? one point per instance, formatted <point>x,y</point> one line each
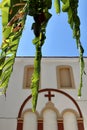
<point>54,90</point>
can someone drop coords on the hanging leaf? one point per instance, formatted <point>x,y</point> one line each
<point>70,18</point>
<point>2,59</point>
<point>9,46</point>
<point>36,77</point>
<point>57,6</point>
<point>48,3</point>
<point>14,13</point>
<point>82,66</point>
<point>71,8</point>
<point>38,41</point>
<point>35,40</point>
<point>66,5</point>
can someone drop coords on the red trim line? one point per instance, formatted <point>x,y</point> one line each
<point>55,90</point>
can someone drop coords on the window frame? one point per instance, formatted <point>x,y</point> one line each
<point>25,77</point>
<point>71,77</point>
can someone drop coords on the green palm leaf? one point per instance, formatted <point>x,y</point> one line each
<point>11,37</point>
<point>14,14</point>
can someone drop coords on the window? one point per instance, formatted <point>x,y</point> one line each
<point>28,71</point>
<point>50,120</point>
<point>65,77</point>
<point>70,121</point>
<point>30,121</point>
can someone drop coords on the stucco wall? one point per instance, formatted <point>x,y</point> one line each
<point>9,106</point>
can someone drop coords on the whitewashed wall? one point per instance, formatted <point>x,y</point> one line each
<point>10,106</point>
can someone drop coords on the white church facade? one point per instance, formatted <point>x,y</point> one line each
<point>58,106</point>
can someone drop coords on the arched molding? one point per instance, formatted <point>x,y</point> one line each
<point>50,106</point>
<point>30,120</point>
<point>30,110</point>
<point>50,119</point>
<point>79,119</point>
<point>72,111</point>
<point>54,90</point>
<point>70,121</point>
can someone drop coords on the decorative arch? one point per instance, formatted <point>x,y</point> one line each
<point>30,120</point>
<point>29,110</point>
<point>49,90</point>
<point>70,120</point>
<point>70,110</point>
<point>50,106</point>
<point>40,122</point>
<point>50,119</point>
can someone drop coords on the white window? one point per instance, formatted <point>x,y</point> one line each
<point>70,121</point>
<point>30,121</point>
<point>50,120</point>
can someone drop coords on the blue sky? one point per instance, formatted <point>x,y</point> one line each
<point>59,40</point>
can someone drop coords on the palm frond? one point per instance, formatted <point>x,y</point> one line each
<point>73,19</point>
<point>11,37</point>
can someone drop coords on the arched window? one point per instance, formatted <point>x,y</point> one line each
<point>50,117</point>
<point>49,120</point>
<point>30,121</point>
<point>70,121</point>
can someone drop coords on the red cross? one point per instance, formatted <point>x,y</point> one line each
<point>49,95</point>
